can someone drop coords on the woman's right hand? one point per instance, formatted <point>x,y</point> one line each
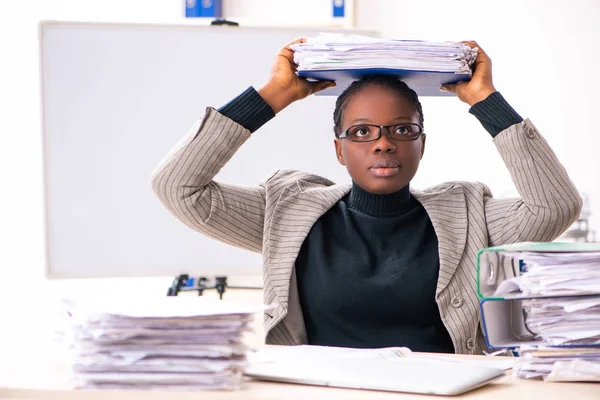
<point>285,86</point>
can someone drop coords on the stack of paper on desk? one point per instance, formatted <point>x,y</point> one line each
<point>544,299</point>
<point>167,343</point>
<point>559,364</point>
<point>423,65</point>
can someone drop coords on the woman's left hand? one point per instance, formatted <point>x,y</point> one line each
<point>480,86</point>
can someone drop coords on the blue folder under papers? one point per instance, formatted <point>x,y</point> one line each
<point>425,83</point>
<point>540,294</point>
<point>505,325</point>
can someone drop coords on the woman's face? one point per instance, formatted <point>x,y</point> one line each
<point>378,105</point>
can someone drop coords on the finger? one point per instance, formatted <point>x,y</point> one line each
<point>483,63</point>
<point>481,54</point>
<point>289,60</point>
<point>471,43</point>
<point>321,85</point>
<point>287,51</point>
<point>449,88</point>
<point>296,41</point>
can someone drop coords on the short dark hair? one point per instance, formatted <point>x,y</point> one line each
<point>386,81</point>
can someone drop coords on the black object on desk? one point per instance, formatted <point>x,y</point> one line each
<point>185,283</point>
<point>221,21</point>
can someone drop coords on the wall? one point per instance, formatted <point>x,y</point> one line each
<point>545,56</point>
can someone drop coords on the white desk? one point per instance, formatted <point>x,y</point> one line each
<point>39,382</point>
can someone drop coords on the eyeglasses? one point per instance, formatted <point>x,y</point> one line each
<point>370,133</point>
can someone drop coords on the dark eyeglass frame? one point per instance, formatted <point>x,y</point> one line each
<point>346,133</point>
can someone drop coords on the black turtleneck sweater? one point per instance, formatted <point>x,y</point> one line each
<point>368,269</point>
<point>367,275</point>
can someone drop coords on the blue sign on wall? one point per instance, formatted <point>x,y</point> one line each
<point>338,8</point>
<point>203,8</point>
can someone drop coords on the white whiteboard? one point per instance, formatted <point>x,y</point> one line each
<point>116,98</point>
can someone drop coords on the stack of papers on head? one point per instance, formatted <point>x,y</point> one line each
<point>424,66</point>
<point>167,343</point>
<point>559,364</point>
<point>337,51</point>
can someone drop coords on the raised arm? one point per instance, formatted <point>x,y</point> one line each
<point>549,202</point>
<point>184,182</point>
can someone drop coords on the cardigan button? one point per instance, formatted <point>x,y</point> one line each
<point>470,344</point>
<point>530,132</point>
<point>456,301</point>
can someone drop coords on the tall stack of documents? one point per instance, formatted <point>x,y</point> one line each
<point>423,65</point>
<point>544,300</point>
<point>178,343</point>
<point>559,363</point>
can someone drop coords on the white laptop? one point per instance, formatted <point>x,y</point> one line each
<point>382,369</point>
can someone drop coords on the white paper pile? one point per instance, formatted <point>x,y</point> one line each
<point>552,274</point>
<point>337,51</point>
<point>178,343</point>
<point>563,309</point>
<point>559,364</point>
<point>564,320</point>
